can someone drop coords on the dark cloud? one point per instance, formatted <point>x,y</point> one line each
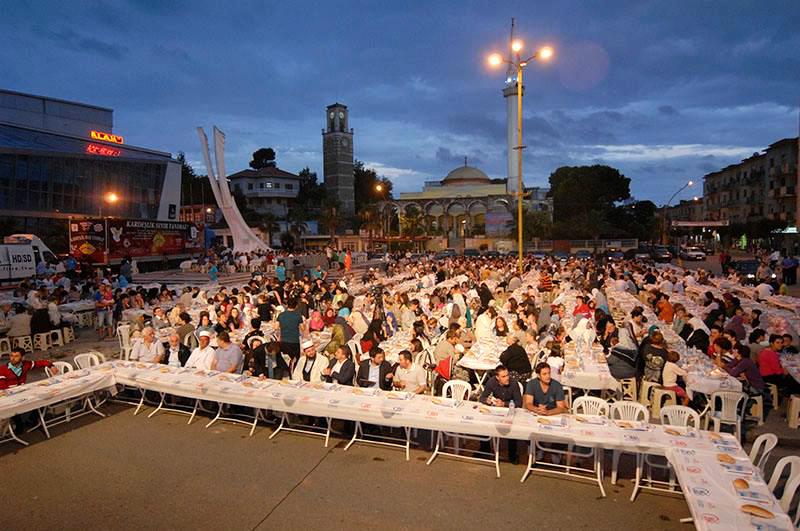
<point>656,89</point>
<point>668,110</point>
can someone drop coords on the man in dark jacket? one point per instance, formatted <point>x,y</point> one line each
<point>376,371</point>
<point>175,353</point>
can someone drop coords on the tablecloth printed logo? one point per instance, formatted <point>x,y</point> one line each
<point>366,405</point>
<point>630,437</point>
<point>681,444</point>
<point>710,518</point>
<point>700,491</point>
<point>694,469</point>
<point>684,451</point>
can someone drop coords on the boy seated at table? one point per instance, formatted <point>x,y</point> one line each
<point>543,395</point>
<point>669,375</point>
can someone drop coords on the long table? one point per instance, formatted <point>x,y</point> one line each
<point>707,483</point>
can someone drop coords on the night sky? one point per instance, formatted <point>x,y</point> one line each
<point>664,90</point>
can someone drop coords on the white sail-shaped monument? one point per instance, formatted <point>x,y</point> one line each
<point>244,239</point>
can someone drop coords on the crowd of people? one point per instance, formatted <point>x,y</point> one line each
<point>444,307</point>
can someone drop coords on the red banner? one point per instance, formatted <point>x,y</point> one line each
<point>87,240</point>
<point>136,237</point>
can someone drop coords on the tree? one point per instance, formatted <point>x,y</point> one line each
<point>534,225</point>
<point>370,219</point>
<point>269,224</point>
<point>329,216</point>
<point>297,224</point>
<point>365,181</point>
<point>577,190</point>
<point>263,158</point>
<point>250,216</point>
<point>195,189</point>
<point>311,194</point>
<point>410,222</point>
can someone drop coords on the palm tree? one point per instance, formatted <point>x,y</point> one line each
<point>296,220</point>
<point>330,219</point>
<point>269,224</point>
<point>370,219</point>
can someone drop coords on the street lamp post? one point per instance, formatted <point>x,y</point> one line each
<point>664,224</point>
<point>110,198</point>
<point>544,54</point>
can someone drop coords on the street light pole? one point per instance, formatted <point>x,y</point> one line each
<point>665,228</point>
<point>519,149</point>
<point>496,59</point>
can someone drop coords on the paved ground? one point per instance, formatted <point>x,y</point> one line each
<point>134,472</point>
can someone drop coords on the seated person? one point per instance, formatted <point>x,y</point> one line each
<point>376,371</point>
<point>341,369</point>
<point>543,395</point>
<point>501,389</point>
<point>228,357</point>
<point>409,376</point>
<point>670,374</point>
<point>203,356</point>
<point>310,365</point>
<point>148,349</point>
<point>15,372</point>
<point>745,369</point>
<point>257,362</point>
<point>159,319</point>
<point>515,359</point>
<point>177,354</point>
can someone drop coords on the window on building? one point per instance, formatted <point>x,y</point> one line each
<point>261,185</point>
<point>249,186</point>
<point>290,187</point>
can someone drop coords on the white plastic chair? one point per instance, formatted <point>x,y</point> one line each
<point>62,366</point>
<point>631,411</point>
<point>460,390</point>
<point>731,410</point>
<point>766,442</point>
<point>124,336</point>
<point>670,415</point>
<point>584,405</point>
<point>792,483</point>
<point>84,361</point>
<point>673,415</point>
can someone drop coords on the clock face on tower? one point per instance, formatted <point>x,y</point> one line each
<point>341,115</point>
<point>332,115</point>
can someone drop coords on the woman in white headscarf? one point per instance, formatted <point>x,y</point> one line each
<point>699,337</point>
<point>600,300</point>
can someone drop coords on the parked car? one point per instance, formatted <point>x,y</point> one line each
<point>692,253</point>
<point>642,253</point>
<point>616,256</point>
<point>539,255</point>
<point>748,270</point>
<point>471,252</point>
<point>492,254</point>
<point>447,253</point>
<point>661,253</point>
<point>561,256</point>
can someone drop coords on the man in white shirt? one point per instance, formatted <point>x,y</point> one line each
<point>764,291</point>
<point>203,355</point>
<point>148,349</point>
<point>409,376</point>
<point>665,286</point>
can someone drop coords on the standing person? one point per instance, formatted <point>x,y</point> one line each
<point>280,271</point>
<point>348,261</point>
<point>104,304</point>
<point>546,286</point>
<point>213,272</point>
<point>290,322</point>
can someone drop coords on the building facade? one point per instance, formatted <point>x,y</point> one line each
<point>61,159</point>
<point>266,190</point>
<point>337,153</point>
<point>465,204</point>
<point>763,185</point>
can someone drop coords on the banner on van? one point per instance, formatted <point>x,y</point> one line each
<point>139,237</point>
<point>87,240</point>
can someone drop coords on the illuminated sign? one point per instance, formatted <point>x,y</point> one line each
<point>106,137</point>
<point>94,149</point>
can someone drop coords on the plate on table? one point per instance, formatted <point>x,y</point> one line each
<point>399,395</point>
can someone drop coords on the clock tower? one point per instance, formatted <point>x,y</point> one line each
<point>337,155</point>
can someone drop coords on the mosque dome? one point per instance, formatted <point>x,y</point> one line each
<point>466,175</point>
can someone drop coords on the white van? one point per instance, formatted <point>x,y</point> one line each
<point>20,254</point>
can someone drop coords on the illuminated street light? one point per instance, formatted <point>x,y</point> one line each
<point>112,197</point>
<point>544,53</point>
<point>379,188</point>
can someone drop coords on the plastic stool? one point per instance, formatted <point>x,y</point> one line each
<point>793,411</point>
<point>645,391</point>
<point>628,388</point>
<point>776,398</point>
<point>69,334</point>
<point>757,409</point>
<point>41,341</point>
<point>23,342</point>
<point>56,338</point>
<point>5,346</point>
<point>658,395</point>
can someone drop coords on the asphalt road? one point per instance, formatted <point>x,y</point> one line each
<point>134,472</point>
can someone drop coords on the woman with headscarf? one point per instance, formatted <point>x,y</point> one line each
<point>315,323</point>
<point>700,333</point>
<point>329,317</point>
<point>600,300</point>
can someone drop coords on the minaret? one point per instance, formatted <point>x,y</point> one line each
<point>510,94</point>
